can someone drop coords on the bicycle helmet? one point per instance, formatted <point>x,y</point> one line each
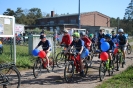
<point>66,31</point>
<point>91,35</point>
<point>42,36</point>
<point>82,33</point>
<point>107,36</point>
<point>120,30</point>
<point>76,34</point>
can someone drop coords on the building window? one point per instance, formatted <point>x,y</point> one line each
<point>73,21</point>
<point>61,21</point>
<point>42,23</point>
<point>51,22</point>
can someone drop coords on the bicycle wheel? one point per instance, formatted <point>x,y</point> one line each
<point>37,68</point>
<point>102,70</point>
<point>129,49</point>
<point>11,77</point>
<point>85,66</point>
<point>111,68</point>
<point>60,60</point>
<point>69,71</point>
<point>122,61</point>
<point>118,61</point>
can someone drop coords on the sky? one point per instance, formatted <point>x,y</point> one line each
<point>111,8</point>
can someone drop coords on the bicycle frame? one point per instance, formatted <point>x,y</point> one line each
<point>76,59</point>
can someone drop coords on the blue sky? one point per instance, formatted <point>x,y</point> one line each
<point>112,8</point>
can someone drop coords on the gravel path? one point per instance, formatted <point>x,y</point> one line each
<point>55,79</point>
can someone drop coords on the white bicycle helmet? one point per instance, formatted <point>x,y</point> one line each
<point>120,30</point>
<point>82,33</point>
<point>65,31</point>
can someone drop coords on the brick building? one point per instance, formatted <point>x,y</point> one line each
<point>71,21</point>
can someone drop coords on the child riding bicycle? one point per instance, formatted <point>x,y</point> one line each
<point>111,43</point>
<point>122,40</point>
<point>80,48</point>
<point>46,46</point>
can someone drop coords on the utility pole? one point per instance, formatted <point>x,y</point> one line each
<point>79,15</point>
<point>118,24</point>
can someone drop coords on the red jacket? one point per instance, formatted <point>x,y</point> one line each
<point>87,41</point>
<point>66,39</point>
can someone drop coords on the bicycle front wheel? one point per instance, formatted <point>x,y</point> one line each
<point>102,70</point>
<point>37,68</point>
<point>129,49</point>
<point>60,60</point>
<point>11,77</point>
<point>69,71</point>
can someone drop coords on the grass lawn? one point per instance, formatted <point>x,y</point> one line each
<point>122,80</point>
<point>23,59</point>
<point>130,40</point>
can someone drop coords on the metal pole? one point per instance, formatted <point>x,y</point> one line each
<point>14,46</point>
<point>118,25</point>
<point>79,14</point>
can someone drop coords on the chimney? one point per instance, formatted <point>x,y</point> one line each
<point>52,13</point>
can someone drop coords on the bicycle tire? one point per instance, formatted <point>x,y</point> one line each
<point>129,49</point>
<point>102,70</point>
<point>11,75</point>
<point>111,69</point>
<point>85,66</point>
<point>69,68</point>
<point>39,68</point>
<point>60,60</point>
<point>118,62</point>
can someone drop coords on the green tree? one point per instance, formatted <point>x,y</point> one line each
<point>128,18</point>
<point>34,13</point>
<point>9,12</point>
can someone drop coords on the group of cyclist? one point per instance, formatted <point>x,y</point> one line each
<point>83,43</point>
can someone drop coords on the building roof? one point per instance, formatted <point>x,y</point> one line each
<point>75,14</point>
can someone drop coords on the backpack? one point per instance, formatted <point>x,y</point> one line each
<point>122,39</point>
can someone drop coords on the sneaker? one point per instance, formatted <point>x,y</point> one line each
<point>82,74</point>
<point>48,69</point>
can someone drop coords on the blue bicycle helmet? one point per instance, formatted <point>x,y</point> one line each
<point>107,36</point>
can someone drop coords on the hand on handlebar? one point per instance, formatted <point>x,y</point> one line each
<point>79,53</point>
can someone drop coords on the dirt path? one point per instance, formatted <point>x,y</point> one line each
<point>55,79</point>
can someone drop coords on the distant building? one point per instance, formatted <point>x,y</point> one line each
<point>70,21</point>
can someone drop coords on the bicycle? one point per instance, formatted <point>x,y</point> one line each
<point>61,57</point>
<point>10,77</point>
<point>129,48</point>
<point>106,65</point>
<point>41,63</point>
<point>118,58</point>
<point>73,65</point>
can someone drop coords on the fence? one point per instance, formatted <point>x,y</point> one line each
<point>24,49</point>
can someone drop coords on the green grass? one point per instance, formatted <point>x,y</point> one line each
<point>122,80</point>
<point>23,59</point>
<point>130,40</point>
